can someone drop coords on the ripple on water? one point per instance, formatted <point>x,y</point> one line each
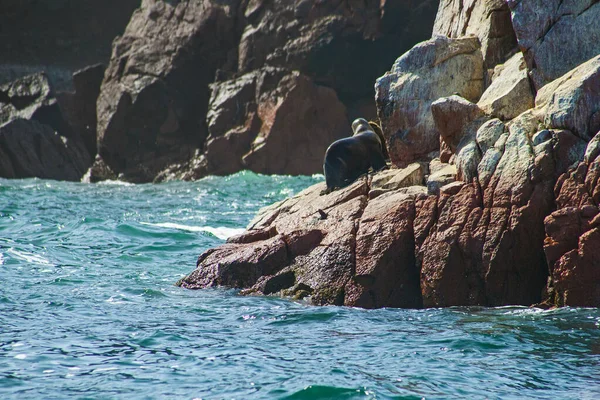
<point>88,309</point>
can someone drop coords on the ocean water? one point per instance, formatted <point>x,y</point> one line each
<point>89,310</point>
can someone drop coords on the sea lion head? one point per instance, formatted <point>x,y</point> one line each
<point>360,125</point>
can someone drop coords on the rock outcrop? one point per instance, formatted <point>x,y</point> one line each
<point>263,120</point>
<point>573,235</point>
<point>504,203</point>
<point>156,85</point>
<point>489,20</point>
<point>35,139</point>
<point>340,248</point>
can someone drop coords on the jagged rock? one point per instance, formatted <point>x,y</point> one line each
<point>555,36</point>
<point>489,20</point>
<point>572,235</point>
<point>510,92</point>
<point>152,104</point>
<point>324,39</point>
<point>568,149</point>
<point>386,273</point>
<point>36,140</point>
<point>99,171</point>
<point>572,102</point>
<point>341,248</point>
<point>433,69</point>
<point>440,178</point>
<point>155,90</point>
<point>32,98</point>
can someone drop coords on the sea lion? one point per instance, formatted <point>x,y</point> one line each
<point>348,158</point>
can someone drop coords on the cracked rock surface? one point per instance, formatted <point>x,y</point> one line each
<point>339,248</point>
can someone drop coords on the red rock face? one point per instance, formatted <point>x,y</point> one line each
<point>572,237</point>
<point>339,248</point>
<point>299,120</point>
<point>385,273</point>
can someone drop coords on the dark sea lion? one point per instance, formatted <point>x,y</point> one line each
<point>348,158</point>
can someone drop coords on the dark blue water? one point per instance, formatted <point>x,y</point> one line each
<point>88,309</point>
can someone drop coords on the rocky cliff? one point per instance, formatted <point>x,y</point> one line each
<point>205,87</point>
<point>493,126</point>
<point>198,87</point>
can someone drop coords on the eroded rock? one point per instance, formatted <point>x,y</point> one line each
<point>572,235</point>
<point>555,36</point>
<point>510,92</point>
<point>489,20</point>
<point>572,102</point>
<point>436,68</point>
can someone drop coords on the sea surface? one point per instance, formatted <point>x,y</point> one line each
<point>89,310</point>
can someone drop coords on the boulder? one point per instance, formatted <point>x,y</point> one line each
<point>555,36</point>
<point>433,69</point>
<point>451,116</point>
<point>510,92</point>
<point>394,179</point>
<point>457,121</point>
<point>489,20</point>
<point>572,102</point>
<point>154,95</point>
<point>488,134</point>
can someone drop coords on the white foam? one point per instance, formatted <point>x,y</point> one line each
<point>29,257</point>
<point>221,232</point>
<point>115,183</point>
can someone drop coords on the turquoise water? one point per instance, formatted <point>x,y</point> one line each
<point>88,309</point>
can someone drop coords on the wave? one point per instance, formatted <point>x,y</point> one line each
<point>221,232</point>
<point>29,257</point>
